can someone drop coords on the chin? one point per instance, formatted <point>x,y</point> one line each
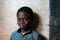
<point>22,27</point>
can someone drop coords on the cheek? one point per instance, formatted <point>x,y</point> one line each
<point>18,22</point>
<point>27,22</point>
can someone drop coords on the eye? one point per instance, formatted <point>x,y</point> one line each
<point>19,19</point>
<point>26,19</point>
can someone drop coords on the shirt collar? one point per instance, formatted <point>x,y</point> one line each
<point>29,31</point>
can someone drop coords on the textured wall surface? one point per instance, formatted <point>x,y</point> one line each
<point>55,20</point>
<point>8,9</point>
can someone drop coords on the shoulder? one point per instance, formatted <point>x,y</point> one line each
<point>35,32</point>
<point>38,36</point>
<point>13,33</point>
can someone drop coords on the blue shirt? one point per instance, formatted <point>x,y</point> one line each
<point>30,35</point>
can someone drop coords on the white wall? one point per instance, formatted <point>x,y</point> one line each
<point>8,9</point>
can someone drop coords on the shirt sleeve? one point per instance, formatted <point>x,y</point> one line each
<point>36,36</point>
<point>12,35</point>
<point>39,38</point>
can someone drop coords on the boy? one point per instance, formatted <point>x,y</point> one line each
<point>24,19</point>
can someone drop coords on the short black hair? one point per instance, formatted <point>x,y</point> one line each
<point>26,10</point>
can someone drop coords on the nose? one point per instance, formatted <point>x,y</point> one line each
<point>22,21</point>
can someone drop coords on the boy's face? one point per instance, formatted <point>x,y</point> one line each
<point>23,20</point>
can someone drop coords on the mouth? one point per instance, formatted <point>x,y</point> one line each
<point>22,24</point>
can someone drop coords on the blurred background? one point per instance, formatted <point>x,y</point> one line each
<point>54,20</point>
<point>8,22</point>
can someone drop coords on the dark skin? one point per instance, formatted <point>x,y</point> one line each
<point>23,20</point>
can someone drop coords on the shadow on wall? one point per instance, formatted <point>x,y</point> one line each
<point>35,23</point>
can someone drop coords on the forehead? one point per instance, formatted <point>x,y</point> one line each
<point>23,14</point>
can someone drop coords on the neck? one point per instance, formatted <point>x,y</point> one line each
<point>24,30</point>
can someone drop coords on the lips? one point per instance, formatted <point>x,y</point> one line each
<point>23,26</point>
